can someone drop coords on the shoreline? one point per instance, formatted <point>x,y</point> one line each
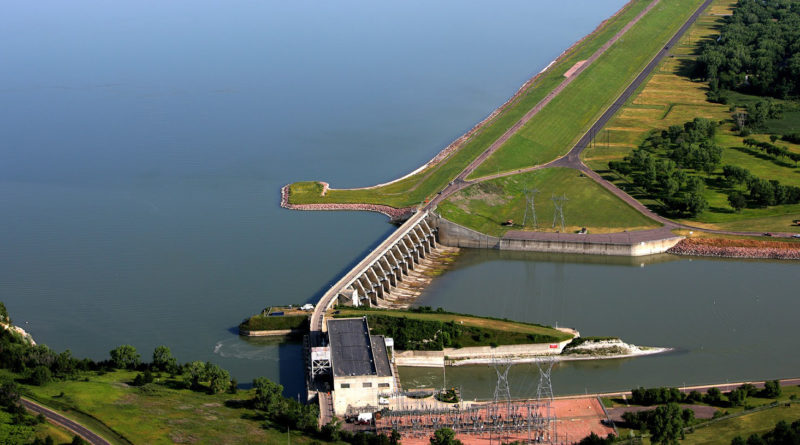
<point>566,357</point>
<point>461,140</point>
<point>744,249</point>
<point>392,212</point>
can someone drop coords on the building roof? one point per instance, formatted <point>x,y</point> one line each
<point>354,352</point>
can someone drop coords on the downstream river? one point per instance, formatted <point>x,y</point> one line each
<point>142,146</point>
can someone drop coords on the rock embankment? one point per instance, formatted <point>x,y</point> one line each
<point>728,248</point>
<point>587,349</point>
<point>391,212</point>
<point>27,337</point>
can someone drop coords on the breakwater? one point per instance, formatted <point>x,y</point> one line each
<point>392,212</point>
<point>725,248</point>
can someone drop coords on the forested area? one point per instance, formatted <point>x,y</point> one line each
<point>757,51</point>
<point>662,165</point>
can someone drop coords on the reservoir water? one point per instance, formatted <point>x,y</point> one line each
<point>142,146</point>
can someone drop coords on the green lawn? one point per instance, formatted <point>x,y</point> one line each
<point>669,98</point>
<point>486,205</point>
<point>554,130</point>
<point>500,332</point>
<point>156,413</point>
<point>759,422</point>
<point>415,189</point>
<point>261,322</point>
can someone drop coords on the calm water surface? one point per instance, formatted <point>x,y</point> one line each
<point>728,320</point>
<point>142,146</point>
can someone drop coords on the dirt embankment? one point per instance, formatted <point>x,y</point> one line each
<point>731,248</point>
<point>391,212</point>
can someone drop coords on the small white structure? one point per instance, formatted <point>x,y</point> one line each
<point>307,307</point>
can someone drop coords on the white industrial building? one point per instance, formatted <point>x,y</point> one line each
<point>359,365</point>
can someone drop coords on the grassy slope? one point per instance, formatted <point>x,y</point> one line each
<point>417,188</point>
<point>164,417</point>
<point>484,206</point>
<point>668,98</point>
<point>554,130</point>
<point>514,332</point>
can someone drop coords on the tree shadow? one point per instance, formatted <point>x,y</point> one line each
<point>763,156</point>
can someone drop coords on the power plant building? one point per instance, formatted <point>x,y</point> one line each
<point>359,364</point>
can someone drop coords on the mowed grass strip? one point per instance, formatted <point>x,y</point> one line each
<point>485,206</point>
<point>416,188</point>
<point>555,129</point>
<point>505,331</point>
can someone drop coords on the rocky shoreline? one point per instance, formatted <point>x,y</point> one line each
<point>391,212</point>
<point>725,248</point>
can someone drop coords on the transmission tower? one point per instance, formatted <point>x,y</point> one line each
<point>502,390</point>
<point>558,214</point>
<point>530,197</point>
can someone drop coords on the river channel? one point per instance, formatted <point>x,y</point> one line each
<point>143,145</point>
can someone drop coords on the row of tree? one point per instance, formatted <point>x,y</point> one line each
<point>756,51</point>
<point>659,165</point>
<point>714,397</point>
<point>760,192</point>
<point>773,150</point>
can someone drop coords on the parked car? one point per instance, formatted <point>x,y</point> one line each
<point>796,235</point>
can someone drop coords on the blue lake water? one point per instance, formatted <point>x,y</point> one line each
<point>142,146</point>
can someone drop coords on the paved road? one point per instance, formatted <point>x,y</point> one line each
<point>327,299</point>
<point>573,158</point>
<point>60,420</point>
<point>460,181</point>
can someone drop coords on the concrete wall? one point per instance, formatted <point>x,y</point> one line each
<point>640,249</point>
<point>356,395</point>
<point>452,356</point>
<point>455,235</point>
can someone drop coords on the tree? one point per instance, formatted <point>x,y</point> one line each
<point>163,359</point>
<point>772,389</point>
<point>695,204</point>
<point>713,397</point>
<point>666,424</point>
<point>269,394</point>
<point>444,436</point>
<point>594,439</point>
<point>737,397</point>
<point>218,379</point>
<point>737,201</point>
<point>196,371</point>
<point>41,375</point>
<point>125,357</point>
<point>394,438</point>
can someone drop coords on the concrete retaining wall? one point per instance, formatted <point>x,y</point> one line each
<point>275,333</point>
<point>455,235</point>
<point>452,356</point>
<point>640,249</point>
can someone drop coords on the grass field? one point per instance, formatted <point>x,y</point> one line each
<point>157,413</point>
<point>486,205</point>
<point>554,130</point>
<point>501,332</point>
<point>670,98</point>
<point>416,188</point>
<point>760,422</point>
<point>743,423</point>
